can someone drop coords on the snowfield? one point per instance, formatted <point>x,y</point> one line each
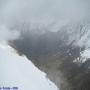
<point>18,71</point>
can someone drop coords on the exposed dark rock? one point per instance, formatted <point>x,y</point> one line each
<point>50,53</point>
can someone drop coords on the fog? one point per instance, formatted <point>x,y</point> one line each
<point>42,12</point>
<point>47,14</point>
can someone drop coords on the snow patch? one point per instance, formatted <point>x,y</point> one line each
<point>18,71</point>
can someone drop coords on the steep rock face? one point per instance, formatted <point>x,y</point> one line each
<point>63,55</point>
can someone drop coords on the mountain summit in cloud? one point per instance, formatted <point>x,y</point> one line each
<point>54,35</point>
<point>63,55</point>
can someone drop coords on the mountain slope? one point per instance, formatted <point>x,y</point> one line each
<point>17,71</point>
<point>62,53</point>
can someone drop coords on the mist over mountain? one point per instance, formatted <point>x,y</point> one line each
<point>54,35</point>
<point>66,50</point>
<point>42,12</point>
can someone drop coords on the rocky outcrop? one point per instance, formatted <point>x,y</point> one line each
<point>56,53</point>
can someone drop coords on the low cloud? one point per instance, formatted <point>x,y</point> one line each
<point>6,34</point>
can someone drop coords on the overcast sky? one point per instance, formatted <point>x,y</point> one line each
<point>42,11</point>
